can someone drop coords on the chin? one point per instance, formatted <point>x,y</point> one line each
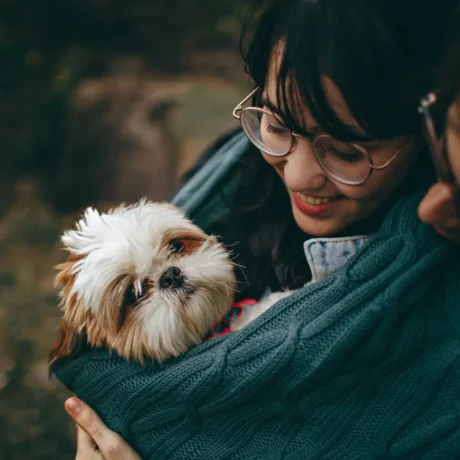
<point>142,281</point>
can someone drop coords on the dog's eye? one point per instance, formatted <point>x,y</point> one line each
<point>176,246</point>
<point>130,296</point>
<point>130,300</point>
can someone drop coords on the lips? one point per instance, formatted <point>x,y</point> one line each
<point>315,206</point>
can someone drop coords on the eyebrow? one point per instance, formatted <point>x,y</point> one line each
<point>265,101</point>
<point>316,129</point>
<point>273,108</point>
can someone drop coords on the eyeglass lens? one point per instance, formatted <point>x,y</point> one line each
<point>340,159</point>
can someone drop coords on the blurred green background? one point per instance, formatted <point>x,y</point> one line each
<point>101,101</point>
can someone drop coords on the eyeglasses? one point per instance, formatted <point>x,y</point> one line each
<point>344,162</point>
<point>432,113</point>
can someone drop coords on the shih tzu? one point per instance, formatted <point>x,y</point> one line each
<point>143,281</point>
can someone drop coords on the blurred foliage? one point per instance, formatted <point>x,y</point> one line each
<point>47,47</point>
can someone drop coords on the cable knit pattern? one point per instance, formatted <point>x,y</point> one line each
<point>364,364</point>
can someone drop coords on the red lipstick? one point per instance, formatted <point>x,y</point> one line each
<point>314,210</point>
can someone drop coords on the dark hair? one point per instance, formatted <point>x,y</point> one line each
<point>383,55</point>
<point>450,77</point>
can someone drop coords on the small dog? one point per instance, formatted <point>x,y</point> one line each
<point>141,280</point>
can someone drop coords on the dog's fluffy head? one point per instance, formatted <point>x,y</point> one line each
<point>141,280</point>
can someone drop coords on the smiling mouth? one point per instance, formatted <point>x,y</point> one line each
<point>316,206</point>
<point>317,201</point>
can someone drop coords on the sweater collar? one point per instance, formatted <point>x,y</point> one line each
<point>326,255</point>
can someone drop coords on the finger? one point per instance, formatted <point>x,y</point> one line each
<point>449,233</point>
<point>111,445</point>
<point>437,207</point>
<point>85,443</point>
<point>89,422</point>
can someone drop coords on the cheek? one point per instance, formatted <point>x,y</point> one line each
<point>453,149</point>
<point>383,183</point>
<point>276,162</point>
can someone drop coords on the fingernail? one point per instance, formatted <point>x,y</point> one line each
<point>73,406</point>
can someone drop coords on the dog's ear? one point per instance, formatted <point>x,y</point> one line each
<point>69,340</point>
<point>66,273</point>
<point>69,343</point>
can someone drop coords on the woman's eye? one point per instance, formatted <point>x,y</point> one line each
<point>349,157</point>
<point>272,129</point>
<point>176,246</point>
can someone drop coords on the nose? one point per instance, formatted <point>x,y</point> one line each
<point>171,278</point>
<point>302,171</point>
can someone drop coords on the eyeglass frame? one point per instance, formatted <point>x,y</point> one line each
<point>437,144</point>
<point>312,140</point>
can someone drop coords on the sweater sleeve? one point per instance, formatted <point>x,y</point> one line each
<point>308,377</point>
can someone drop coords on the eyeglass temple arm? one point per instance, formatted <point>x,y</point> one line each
<point>239,107</point>
<point>378,168</point>
<point>424,109</point>
<point>443,171</point>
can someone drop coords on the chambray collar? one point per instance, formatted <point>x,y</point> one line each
<point>326,255</point>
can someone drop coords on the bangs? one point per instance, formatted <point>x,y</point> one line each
<point>324,39</point>
<point>303,86</point>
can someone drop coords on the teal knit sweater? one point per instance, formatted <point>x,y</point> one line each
<point>362,365</point>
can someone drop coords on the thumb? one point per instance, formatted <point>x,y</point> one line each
<point>87,419</point>
<point>111,445</point>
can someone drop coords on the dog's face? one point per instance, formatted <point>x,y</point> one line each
<point>143,281</point>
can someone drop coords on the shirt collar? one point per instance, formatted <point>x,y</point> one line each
<point>326,255</point>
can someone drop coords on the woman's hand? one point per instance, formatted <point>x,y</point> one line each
<point>94,440</point>
<point>437,209</point>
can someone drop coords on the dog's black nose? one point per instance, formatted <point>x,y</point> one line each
<point>172,277</point>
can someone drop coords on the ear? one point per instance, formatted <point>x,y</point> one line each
<point>69,342</point>
<point>66,275</point>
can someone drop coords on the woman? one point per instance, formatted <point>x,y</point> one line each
<point>441,206</point>
<point>361,363</point>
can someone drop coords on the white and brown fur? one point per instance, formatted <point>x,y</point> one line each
<point>111,294</point>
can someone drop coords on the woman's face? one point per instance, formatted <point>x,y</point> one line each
<point>309,186</point>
